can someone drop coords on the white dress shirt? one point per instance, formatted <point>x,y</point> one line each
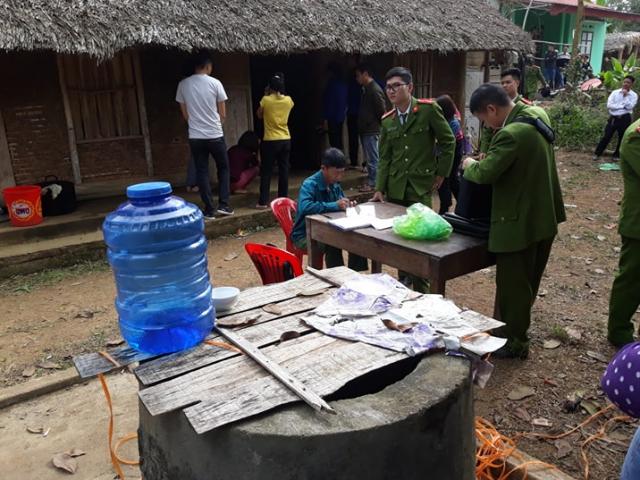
<point>618,104</point>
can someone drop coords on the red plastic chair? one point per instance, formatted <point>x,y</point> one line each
<point>273,264</point>
<point>284,209</point>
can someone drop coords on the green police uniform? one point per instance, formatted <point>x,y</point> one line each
<point>532,75</point>
<point>526,209</point>
<point>487,132</point>
<point>625,293</point>
<point>408,163</point>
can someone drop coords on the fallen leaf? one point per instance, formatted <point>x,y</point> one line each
<point>398,327</point>
<point>85,314</point>
<point>75,452</point>
<point>599,271</point>
<point>548,381</point>
<point>597,356</point>
<point>272,308</point>
<point>311,292</point>
<point>46,432</point>
<point>616,249</point>
<point>290,335</point>
<point>29,371</point>
<point>541,422</point>
<point>231,256</point>
<point>611,226</point>
<point>522,414</point>
<point>591,219</point>
<point>563,448</point>
<point>241,233</point>
<point>37,430</point>
<point>521,392</point>
<point>551,343</point>
<point>75,284</point>
<point>542,293</point>
<point>114,342</point>
<point>65,462</point>
<point>49,365</point>
<point>601,238</point>
<point>576,237</point>
<point>245,322</point>
<point>590,406</point>
<point>593,292</point>
<point>588,261</point>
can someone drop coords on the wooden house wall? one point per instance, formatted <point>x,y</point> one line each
<point>33,115</point>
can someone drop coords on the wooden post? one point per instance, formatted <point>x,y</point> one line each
<point>73,148</point>
<point>6,169</point>
<point>142,107</point>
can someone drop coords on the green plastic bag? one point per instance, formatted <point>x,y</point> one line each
<point>422,223</point>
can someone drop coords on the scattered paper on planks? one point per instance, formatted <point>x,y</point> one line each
<point>215,386</point>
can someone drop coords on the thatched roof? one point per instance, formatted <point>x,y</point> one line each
<point>102,27</point>
<point>619,40</point>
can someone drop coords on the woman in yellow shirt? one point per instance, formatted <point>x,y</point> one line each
<point>274,110</point>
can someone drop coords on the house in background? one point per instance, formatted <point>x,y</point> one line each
<point>88,89</point>
<point>553,22</point>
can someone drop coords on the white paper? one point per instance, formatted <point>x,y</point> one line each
<point>351,222</point>
<point>382,223</point>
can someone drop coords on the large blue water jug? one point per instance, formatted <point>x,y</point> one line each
<point>158,252</point>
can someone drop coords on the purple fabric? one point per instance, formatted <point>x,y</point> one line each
<point>621,380</point>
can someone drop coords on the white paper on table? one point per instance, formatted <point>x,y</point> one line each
<point>382,223</point>
<point>352,222</point>
<point>482,343</point>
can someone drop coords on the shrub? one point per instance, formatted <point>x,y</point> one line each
<point>577,122</point>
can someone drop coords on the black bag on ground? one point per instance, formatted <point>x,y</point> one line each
<point>64,202</point>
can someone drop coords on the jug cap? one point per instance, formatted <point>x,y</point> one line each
<point>148,190</point>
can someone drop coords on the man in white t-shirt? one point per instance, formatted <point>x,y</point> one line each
<point>202,102</point>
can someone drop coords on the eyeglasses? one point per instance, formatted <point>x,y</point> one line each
<point>393,87</point>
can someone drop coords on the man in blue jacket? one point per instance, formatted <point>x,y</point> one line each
<point>322,193</point>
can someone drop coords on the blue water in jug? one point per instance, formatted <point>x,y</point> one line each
<point>158,253</point>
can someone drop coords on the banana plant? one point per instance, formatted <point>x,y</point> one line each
<point>613,78</point>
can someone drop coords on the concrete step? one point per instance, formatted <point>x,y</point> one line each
<point>69,239</point>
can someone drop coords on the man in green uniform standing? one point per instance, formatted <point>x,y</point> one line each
<point>625,293</point>
<point>510,81</point>
<point>532,78</point>
<point>526,206</point>
<point>408,169</point>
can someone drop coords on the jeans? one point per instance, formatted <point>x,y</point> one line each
<point>615,124</point>
<point>245,179</point>
<point>335,135</point>
<point>274,151</point>
<point>200,150</point>
<point>370,147</point>
<point>550,75</point>
<point>631,465</point>
<point>352,130</point>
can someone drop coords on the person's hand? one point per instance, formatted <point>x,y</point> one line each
<point>468,161</point>
<point>343,203</point>
<point>377,197</point>
<point>625,92</point>
<point>353,203</point>
<point>437,183</point>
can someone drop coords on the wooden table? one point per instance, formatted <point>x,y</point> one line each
<point>436,261</point>
<point>215,386</point>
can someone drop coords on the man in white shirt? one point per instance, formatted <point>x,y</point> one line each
<point>202,102</point>
<point>620,105</point>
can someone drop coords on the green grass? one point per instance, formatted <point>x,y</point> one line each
<point>21,284</point>
<point>559,333</point>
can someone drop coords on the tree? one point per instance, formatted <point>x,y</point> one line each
<point>630,6</point>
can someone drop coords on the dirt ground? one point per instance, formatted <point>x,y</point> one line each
<point>51,316</point>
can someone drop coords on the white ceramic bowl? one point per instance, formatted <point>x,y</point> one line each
<point>224,297</point>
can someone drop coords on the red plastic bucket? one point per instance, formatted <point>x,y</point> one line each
<point>24,205</point>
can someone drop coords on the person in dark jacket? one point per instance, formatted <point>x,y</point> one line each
<point>451,184</point>
<point>372,108</point>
